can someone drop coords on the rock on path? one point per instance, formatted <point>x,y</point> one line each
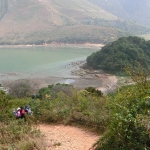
<point>60,137</point>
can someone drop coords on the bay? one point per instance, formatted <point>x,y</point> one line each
<point>40,61</point>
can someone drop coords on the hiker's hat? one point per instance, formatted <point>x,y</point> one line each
<point>18,108</point>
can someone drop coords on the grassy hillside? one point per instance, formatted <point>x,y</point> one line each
<point>81,9</point>
<point>63,34</point>
<point>73,21</point>
<point>123,114</point>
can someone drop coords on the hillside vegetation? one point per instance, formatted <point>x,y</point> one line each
<point>74,21</point>
<point>122,118</point>
<point>124,52</point>
<point>128,125</point>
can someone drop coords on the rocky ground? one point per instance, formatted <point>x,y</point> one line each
<point>104,82</point>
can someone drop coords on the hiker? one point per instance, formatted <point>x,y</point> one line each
<point>14,112</point>
<point>18,113</point>
<point>28,110</point>
<point>22,113</point>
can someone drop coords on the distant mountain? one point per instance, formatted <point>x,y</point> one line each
<point>65,21</point>
<point>3,7</point>
<point>135,10</point>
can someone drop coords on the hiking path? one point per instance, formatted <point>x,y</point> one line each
<point>61,137</point>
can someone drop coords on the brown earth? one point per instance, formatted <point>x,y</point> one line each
<point>61,137</point>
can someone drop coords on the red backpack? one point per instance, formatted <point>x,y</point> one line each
<point>22,111</point>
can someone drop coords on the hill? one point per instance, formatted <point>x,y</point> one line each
<point>67,21</point>
<point>125,52</point>
<point>135,10</point>
<point>3,8</point>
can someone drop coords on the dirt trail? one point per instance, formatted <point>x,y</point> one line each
<point>60,137</point>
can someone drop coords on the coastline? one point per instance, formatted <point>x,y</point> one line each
<point>88,45</point>
<point>102,81</point>
<point>80,78</point>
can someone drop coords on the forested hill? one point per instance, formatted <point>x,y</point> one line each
<point>125,52</point>
<point>63,21</point>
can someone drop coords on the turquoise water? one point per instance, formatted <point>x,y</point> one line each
<point>52,60</point>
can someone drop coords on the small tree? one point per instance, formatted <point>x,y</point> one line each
<point>20,88</point>
<point>94,91</point>
<point>3,105</point>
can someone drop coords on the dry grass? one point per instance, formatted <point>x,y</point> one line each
<point>18,135</point>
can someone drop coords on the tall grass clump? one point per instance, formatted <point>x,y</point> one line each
<point>128,124</point>
<point>16,134</point>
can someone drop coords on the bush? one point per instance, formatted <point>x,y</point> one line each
<point>4,107</point>
<point>128,126</point>
<point>20,89</point>
<point>94,91</point>
<point>52,90</point>
<point>78,108</point>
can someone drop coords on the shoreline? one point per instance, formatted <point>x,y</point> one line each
<point>80,78</point>
<point>88,45</point>
<point>76,75</point>
<point>105,83</point>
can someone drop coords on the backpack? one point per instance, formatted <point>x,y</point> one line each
<point>29,111</point>
<point>18,114</point>
<point>22,111</point>
<point>26,108</point>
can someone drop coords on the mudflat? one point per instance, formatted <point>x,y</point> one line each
<point>79,78</point>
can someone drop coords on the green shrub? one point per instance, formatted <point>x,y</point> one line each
<point>128,125</point>
<point>78,108</point>
<point>52,90</point>
<point>94,91</point>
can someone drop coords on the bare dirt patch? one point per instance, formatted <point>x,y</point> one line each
<point>60,137</point>
<point>109,84</point>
